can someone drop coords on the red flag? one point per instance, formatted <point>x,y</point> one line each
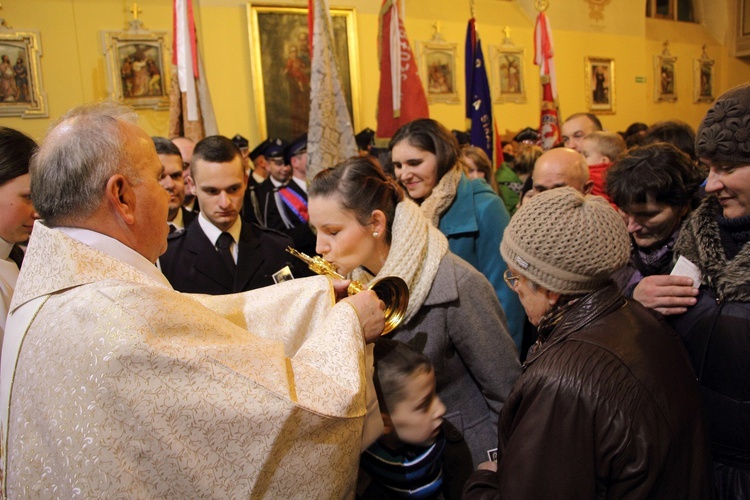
<point>549,126</point>
<point>401,98</point>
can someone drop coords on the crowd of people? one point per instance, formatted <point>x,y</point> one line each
<point>577,322</point>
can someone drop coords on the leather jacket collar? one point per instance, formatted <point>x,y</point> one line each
<point>586,310</point>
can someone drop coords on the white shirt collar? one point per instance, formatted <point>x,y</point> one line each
<point>5,249</point>
<point>178,222</point>
<point>275,182</point>
<point>301,183</point>
<point>213,232</point>
<point>116,249</point>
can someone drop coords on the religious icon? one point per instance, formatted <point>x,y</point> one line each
<point>137,65</point>
<point>21,91</point>
<point>437,66</point>
<point>282,66</point>
<point>703,84</point>
<point>507,75</point>
<point>600,84</point>
<point>664,76</point>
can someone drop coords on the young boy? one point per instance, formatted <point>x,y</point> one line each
<point>601,149</point>
<point>406,461</point>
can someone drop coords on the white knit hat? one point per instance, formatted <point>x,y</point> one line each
<point>566,242</point>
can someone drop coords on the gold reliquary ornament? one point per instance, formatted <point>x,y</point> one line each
<point>392,290</point>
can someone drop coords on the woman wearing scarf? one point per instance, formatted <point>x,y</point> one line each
<point>467,212</point>
<point>655,189</point>
<point>367,229</point>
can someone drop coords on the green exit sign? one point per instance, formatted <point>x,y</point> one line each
<point>640,79</point>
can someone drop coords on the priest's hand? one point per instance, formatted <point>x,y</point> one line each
<point>371,312</point>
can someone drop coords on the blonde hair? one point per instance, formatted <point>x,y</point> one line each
<point>608,144</point>
<point>526,157</point>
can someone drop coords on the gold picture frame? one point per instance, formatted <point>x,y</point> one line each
<point>703,78</point>
<point>665,85</point>
<point>21,86</point>
<point>281,66</point>
<point>600,85</point>
<point>508,79</point>
<point>437,67</point>
<point>138,66</point>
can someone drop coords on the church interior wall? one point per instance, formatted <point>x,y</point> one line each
<point>74,65</point>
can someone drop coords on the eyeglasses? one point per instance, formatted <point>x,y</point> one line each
<point>510,279</point>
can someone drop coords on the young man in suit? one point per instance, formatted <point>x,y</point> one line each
<point>220,253</point>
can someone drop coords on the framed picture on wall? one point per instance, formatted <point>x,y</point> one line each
<point>665,87</point>
<point>437,65</point>
<point>506,63</point>
<point>137,67</point>
<point>281,66</point>
<point>600,85</point>
<point>703,78</point>
<point>21,87</point>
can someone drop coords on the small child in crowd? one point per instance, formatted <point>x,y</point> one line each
<point>601,149</point>
<point>406,461</point>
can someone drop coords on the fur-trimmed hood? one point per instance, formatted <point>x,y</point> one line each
<point>700,243</point>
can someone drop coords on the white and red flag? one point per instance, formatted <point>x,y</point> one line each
<point>191,113</point>
<point>549,126</point>
<point>401,98</point>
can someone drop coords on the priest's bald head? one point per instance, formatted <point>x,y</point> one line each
<point>98,170</point>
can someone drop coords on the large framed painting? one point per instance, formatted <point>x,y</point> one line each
<point>600,85</point>
<point>507,73</point>
<point>437,65</point>
<point>137,67</point>
<point>21,87</point>
<point>281,66</point>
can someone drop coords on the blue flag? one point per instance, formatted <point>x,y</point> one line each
<point>478,100</point>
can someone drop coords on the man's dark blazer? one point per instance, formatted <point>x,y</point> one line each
<point>251,202</point>
<point>188,217</point>
<point>192,264</point>
<point>304,238</point>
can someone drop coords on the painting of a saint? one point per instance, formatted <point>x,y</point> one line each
<point>286,72</point>
<point>706,81</point>
<point>600,84</point>
<point>140,70</point>
<point>667,78</point>
<point>440,73</point>
<point>14,75</point>
<point>510,74</point>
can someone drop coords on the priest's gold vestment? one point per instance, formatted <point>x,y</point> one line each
<point>124,388</point>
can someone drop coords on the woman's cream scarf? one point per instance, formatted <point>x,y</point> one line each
<point>442,196</point>
<point>416,250</point>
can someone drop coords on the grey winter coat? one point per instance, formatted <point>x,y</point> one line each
<point>462,328</point>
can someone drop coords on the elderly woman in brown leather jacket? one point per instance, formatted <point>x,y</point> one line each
<point>607,405</point>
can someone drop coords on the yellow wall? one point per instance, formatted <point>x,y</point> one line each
<point>74,71</point>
